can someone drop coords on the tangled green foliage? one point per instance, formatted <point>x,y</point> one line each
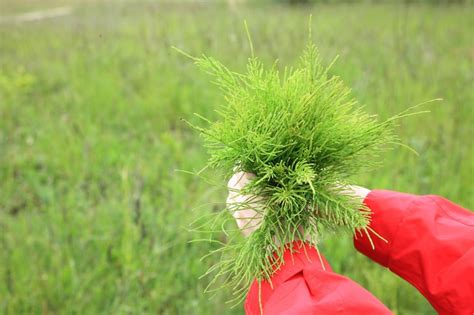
<point>302,134</point>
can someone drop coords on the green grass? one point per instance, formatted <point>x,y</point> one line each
<point>93,217</point>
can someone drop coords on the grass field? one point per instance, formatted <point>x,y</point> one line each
<point>94,219</point>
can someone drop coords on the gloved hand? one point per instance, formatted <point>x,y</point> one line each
<point>243,207</point>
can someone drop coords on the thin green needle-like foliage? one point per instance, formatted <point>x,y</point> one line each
<point>303,135</point>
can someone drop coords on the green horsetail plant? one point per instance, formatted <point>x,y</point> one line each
<point>303,135</point>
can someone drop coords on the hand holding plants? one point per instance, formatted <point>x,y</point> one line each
<point>242,206</point>
<point>294,139</point>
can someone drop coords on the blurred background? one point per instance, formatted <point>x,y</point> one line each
<point>94,218</point>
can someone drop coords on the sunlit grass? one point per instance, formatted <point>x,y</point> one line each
<point>93,216</point>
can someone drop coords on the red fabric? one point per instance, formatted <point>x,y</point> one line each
<point>430,244</point>
<point>303,286</point>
